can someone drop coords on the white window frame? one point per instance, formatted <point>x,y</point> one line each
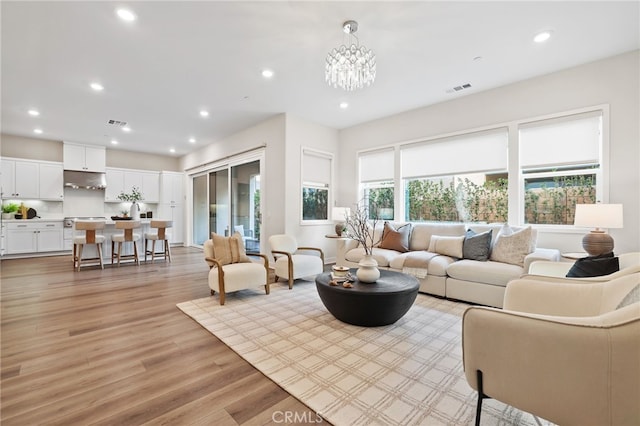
<point>323,183</point>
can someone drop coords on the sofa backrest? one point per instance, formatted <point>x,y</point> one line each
<point>422,232</point>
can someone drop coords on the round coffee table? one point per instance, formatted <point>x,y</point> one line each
<point>369,305</point>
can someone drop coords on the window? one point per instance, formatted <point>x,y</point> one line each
<point>376,183</point>
<point>316,179</point>
<point>460,178</point>
<point>560,164</point>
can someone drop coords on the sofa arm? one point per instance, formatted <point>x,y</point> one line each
<point>541,254</point>
<point>533,364</point>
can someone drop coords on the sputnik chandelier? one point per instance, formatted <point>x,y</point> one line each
<point>350,67</point>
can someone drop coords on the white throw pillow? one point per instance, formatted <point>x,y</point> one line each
<point>513,246</point>
<point>449,246</point>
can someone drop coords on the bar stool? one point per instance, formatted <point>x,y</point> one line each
<point>160,235</point>
<point>79,241</point>
<point>127,236</point>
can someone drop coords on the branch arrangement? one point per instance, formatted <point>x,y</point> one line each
<point>361,228</point>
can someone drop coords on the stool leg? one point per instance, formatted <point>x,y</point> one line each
<point>153,251</point>
<point>135,253</point>
<point>80,246</point>
<point>113,252</point>
<point>167,250</point>
<point>119,250</point>
<point>100,255</point>
<point>74,255</point>
<point>146,244</point>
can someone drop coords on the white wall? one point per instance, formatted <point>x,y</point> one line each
<point>305,134</point>
<point>613,81</point>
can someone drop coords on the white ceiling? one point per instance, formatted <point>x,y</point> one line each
<point>180,57</point>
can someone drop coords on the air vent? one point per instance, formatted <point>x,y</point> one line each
<point>117,123</point>
<point>459,88</point>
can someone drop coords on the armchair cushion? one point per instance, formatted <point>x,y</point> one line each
<point>229,249</point>
<point>594,266</point>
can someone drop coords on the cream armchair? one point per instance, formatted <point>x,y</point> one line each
<point>567,352</point>
<point>291,261</point>
<point>229,277</point>
<point>541,269</point>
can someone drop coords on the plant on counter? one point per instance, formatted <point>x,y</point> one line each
<point>10,208</point>
<point>134,196</point>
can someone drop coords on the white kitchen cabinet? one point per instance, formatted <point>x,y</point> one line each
<point>131,179</point>
<point>20,179</point>
<point>51,182</point>
<point>151,187</point>
<point>33,237</point>
<point>115,185</point>
<point>174,212</point>
<point>84,158</point>
<point>171,187</point>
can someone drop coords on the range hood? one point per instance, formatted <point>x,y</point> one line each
<point>84,180</point>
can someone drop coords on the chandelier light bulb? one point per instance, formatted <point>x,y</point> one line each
<point>352,67</point>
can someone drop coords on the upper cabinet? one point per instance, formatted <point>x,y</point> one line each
<point>123,180</point>
<point>28,179</point>
<point>172,187</point>
<point>84,158</point>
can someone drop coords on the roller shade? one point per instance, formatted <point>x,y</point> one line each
<point>316,168</point>
<point>563,141</point>
<point>376,166</point>
<point>474,152</point>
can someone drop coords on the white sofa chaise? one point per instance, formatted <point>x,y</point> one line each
<point>475,281</point>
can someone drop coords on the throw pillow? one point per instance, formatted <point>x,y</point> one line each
<point>396,238</point>
<point>594,266</point>
<point>513,246</point>
<point>449,246</point>
<point>477,246</point>
<point>229,249</point>
<point>632,297</point>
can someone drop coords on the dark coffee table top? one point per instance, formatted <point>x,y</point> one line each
<point>390,282</point>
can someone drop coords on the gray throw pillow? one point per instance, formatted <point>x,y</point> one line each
<point>632,297</point>
<point>477,246</point>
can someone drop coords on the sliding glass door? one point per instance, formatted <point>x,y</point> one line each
<point>226,201</point>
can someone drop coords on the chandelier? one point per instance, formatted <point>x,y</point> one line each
<point>350,67</point>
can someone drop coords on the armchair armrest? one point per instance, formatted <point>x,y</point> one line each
<point>533,363</point>
<point>541,254</point>
<point>264,258</point>
<point>553,298</point>
<point>213,263</point>
<point>314,249</point>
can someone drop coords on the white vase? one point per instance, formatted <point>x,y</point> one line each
<point>134,212</point>
<point>368,270</point>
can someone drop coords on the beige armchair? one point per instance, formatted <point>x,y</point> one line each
<point>567,352</point>
<point>291,260</point>
<point>242,273</point>
<point>541,269</point>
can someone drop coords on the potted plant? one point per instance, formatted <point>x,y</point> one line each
<point>133,197</point>
<point>8,210</point>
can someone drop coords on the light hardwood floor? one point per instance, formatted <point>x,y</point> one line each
<point>110,347</point>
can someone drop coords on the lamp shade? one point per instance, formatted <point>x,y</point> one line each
<point>340,214</point>
<point>598,215</point>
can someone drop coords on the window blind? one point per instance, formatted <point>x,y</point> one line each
<point>567,140</point>
<point>376,166</point>
<point>316,168</point>
<point>473,152</point>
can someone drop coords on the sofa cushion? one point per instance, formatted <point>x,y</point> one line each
<point>422,232</point>
<point>495,273</point>
<point>449,246</point>
<point>477,246</point>
<point>382,256</point>
<point>396,238</point>
<point>513,246</point>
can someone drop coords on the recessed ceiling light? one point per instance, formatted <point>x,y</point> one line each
<point>126,129</point>
<point>34,112</point>
<point>204,113</point>
<point>266,73</point>
<point>97,87</point>
<point>344,105</point>
<point>38,131</point>
<point>542,36</point>
<point>192,140</point>
<point>114,142</point>
<point>126,15</point>
<point>172,150</point>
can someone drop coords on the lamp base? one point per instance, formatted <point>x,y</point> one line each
<point>596,243</point>
<point>339,229</point>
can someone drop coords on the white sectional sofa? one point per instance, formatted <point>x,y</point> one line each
<point>475,281</point>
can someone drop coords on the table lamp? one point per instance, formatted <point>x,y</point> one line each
<point>339,215</point>
<point>598,216</point>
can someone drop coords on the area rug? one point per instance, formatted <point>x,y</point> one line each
<point>408,373</point>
